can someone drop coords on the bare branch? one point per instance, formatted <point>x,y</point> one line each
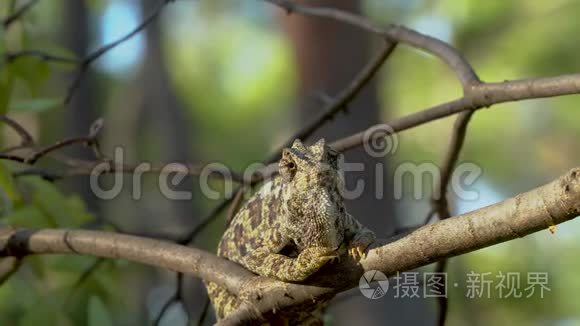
<point>8,266</point>
<point>26,138</point>
<point>456,144</point>
<point>85,275</point>
<point>340,102</point>
<point>441,204</point>
<point>393,33</point>
<point>7,22</point>
<point>176,297</point>
<point>480,96</point>
<point>22,242</point>
<point>205,221</point>
<point>13,56</point>
<point>204,311</point>
<point>58,145</point>
<point>87,61</point>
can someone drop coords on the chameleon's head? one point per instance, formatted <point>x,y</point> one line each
<point>309,167</point>
<point>311,197</point>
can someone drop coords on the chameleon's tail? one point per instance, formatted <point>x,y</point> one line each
<point>223,302</point>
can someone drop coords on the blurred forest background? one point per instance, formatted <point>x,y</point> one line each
<point>228,81</point>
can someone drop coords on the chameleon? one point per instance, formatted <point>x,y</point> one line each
<point>295,224</point>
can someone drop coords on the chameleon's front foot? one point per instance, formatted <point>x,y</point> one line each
<point>357,248</point>
<point>309,261</point>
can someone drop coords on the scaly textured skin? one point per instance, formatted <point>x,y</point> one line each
<point>292,226</point>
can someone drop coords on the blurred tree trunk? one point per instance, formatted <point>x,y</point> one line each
<point>82,109</point>
<point>328,55</point>
<point>164,124</point>
<point>168,131</point>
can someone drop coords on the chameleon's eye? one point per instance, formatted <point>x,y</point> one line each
<point>287,165</point>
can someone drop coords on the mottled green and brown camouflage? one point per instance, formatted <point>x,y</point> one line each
<point>292,226</point>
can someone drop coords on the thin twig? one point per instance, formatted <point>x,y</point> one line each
<point>85,275</point>
<point>58,145</point>
<point>176,297</point>
<point>441,204</point>
<point>393,33</point>
<point>88,272</point>
<point>335,105</point>
<point>172,299</point>
<point>13,56</point>
<point>481,95</point>
<point>204,311</point>
<point>88,60</point>
<point>25,136</point>
<point>7,22</point>
<point>205,221</point>
<point>8,266</point>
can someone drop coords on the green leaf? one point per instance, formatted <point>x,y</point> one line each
<point>49,200</point>
<point>60,210</point>
<point>29,217</point>
<point>9,195</point>
<point>98,315</point>
<point>1,41</point>
<point>78,210</point>
<point>6,85</point>
<point>97,6</point>
<point>35,105</point>
<point>32,70</point>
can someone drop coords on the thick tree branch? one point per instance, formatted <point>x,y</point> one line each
<point>21,242</point>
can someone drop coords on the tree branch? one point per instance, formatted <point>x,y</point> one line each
<point>12,56</point>
<point>7,22</point>
<point>338,103</point>
<point>88,60</point>
<point>25,137</point>
<point>21,242</point>
<point>441,204</point>
<point>392,33</point>
<point>8,266</point>
<point>480,96</point>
